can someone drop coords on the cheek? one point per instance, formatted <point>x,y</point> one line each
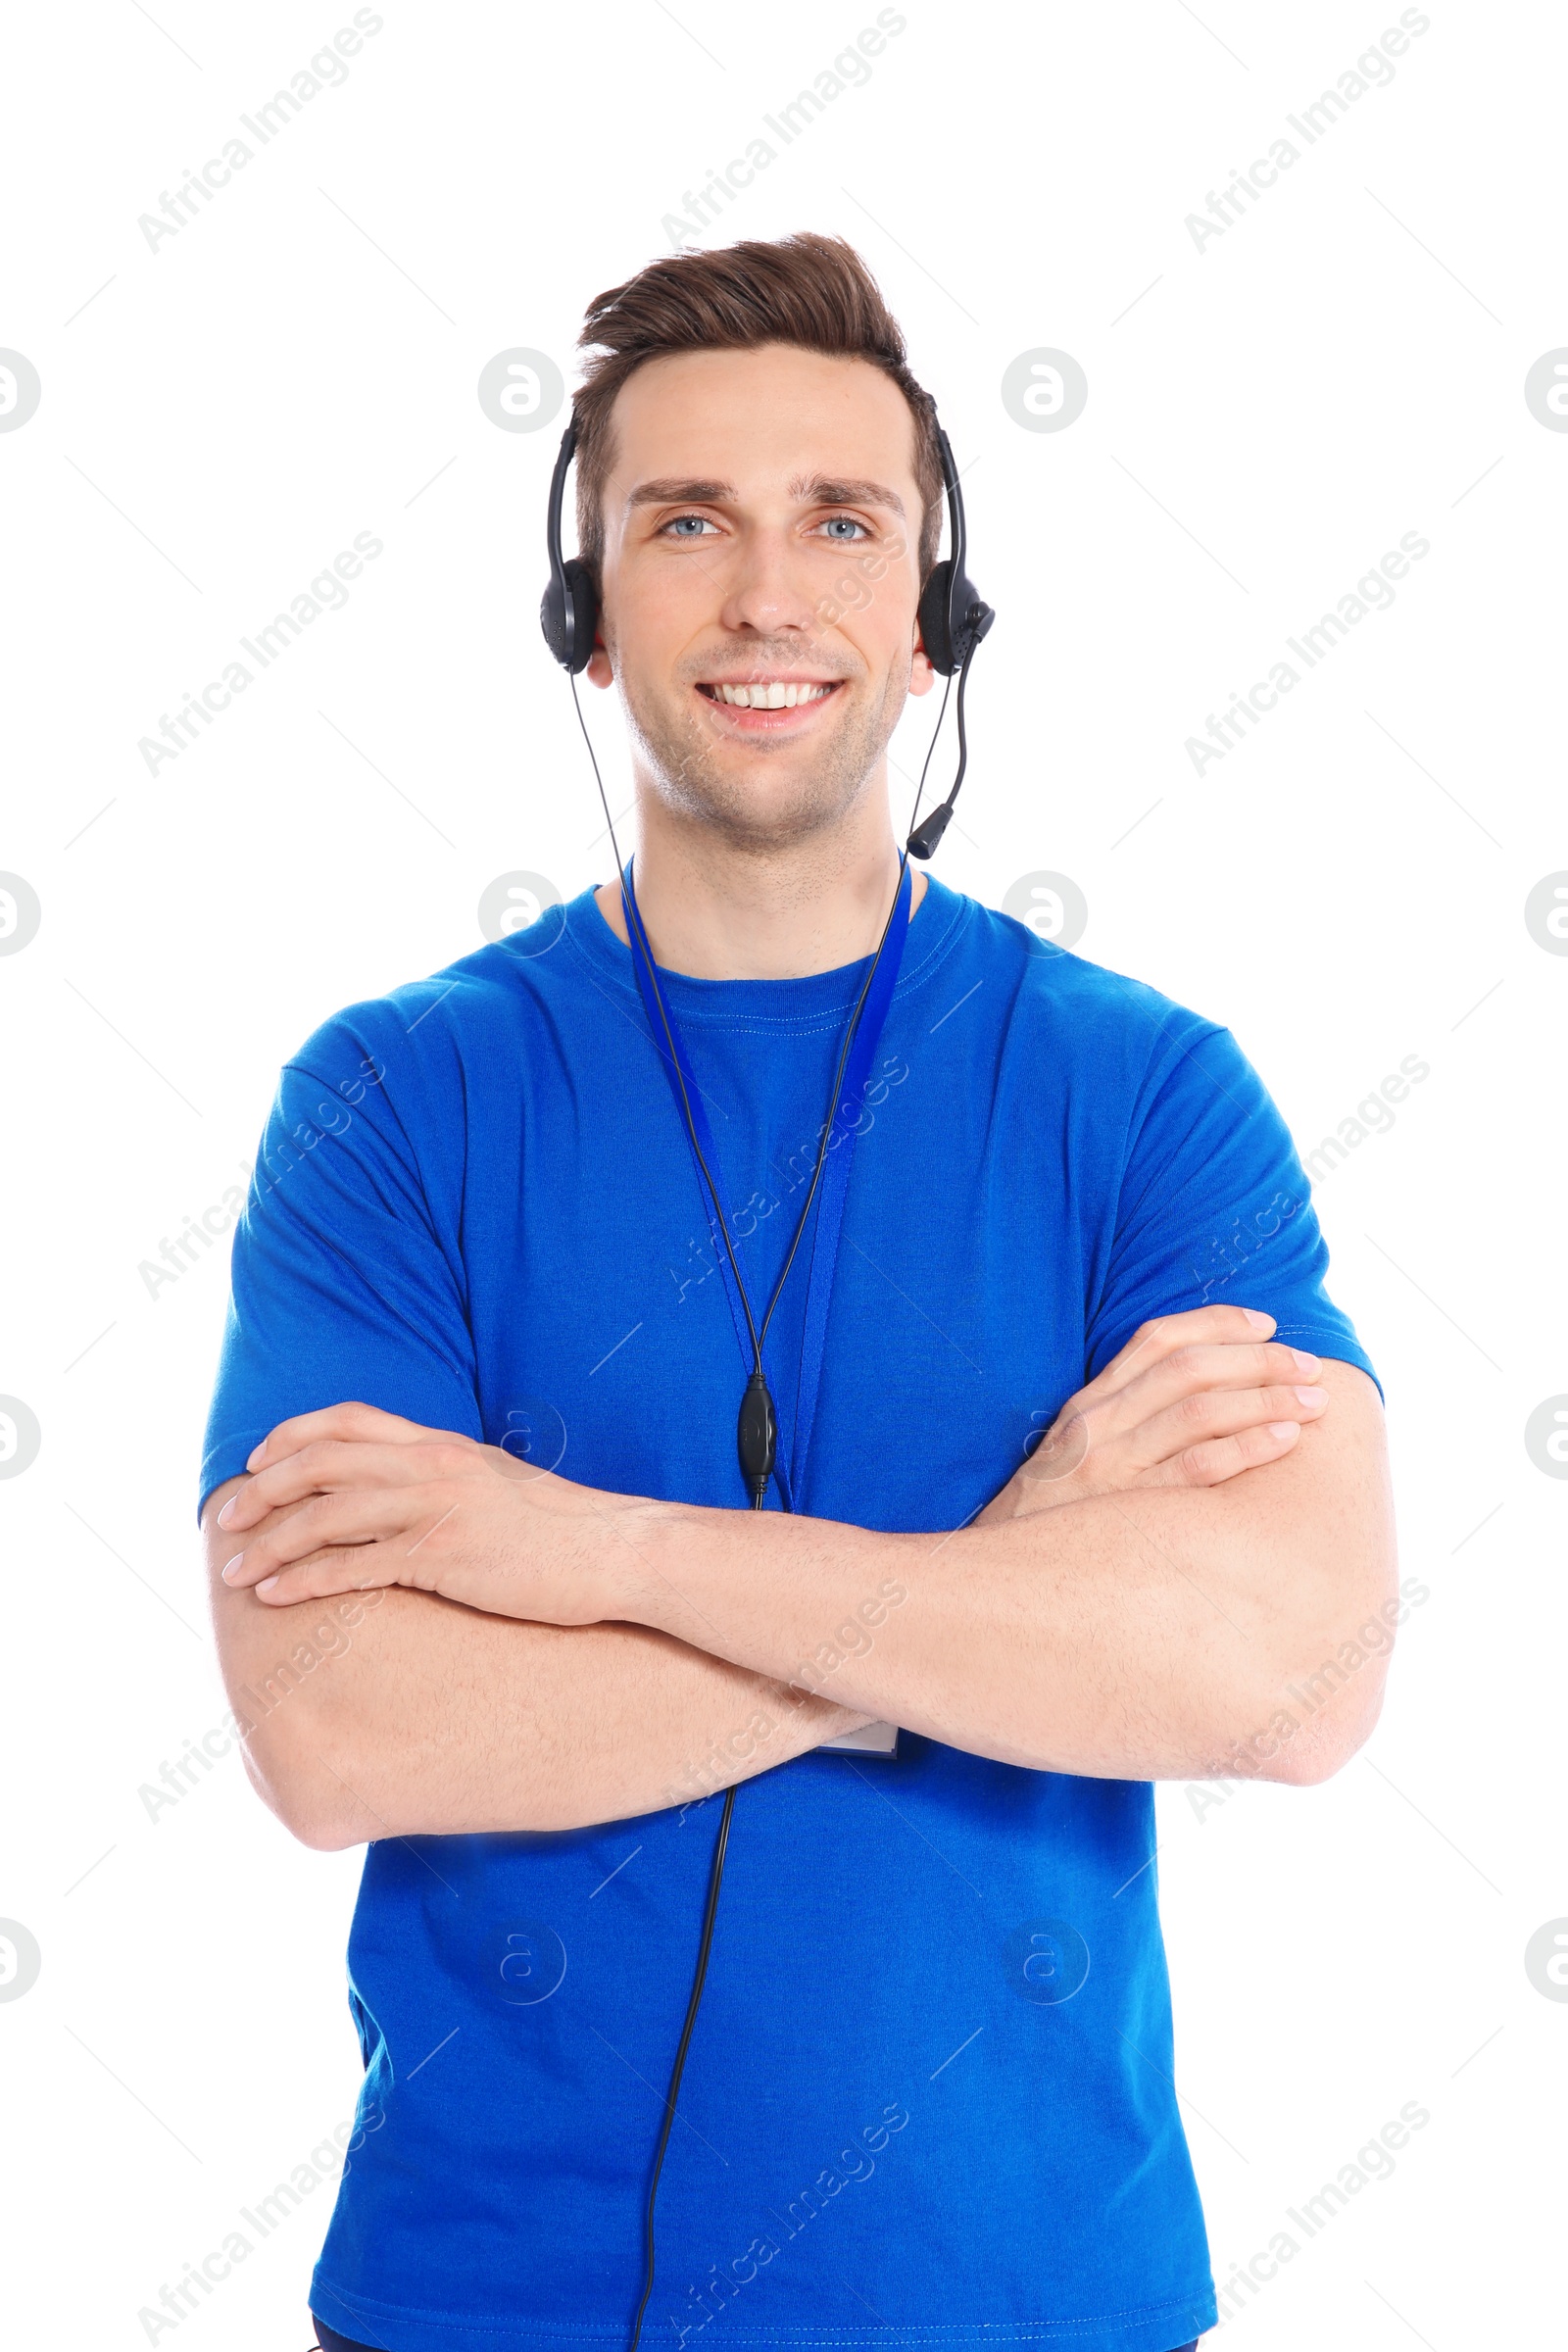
<point>880,628</point>
<point>884,633</point>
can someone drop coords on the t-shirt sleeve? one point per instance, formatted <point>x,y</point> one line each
<point>1214,1205</point>
<point>346,1278</point>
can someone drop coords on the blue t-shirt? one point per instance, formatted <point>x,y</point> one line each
<point>929,2097</point>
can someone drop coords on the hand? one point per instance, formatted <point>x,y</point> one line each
<point>1191,1401</point>
<point>351,1497</point>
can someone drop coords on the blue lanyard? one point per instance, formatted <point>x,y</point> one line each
<point>837,1147</point>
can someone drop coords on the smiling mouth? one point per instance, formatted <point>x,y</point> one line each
<point>771,693</point>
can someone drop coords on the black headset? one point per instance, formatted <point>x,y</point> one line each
<point>953,615</point>
<point>953,618</point>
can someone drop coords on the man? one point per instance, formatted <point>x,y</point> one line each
<point>488,1593</point>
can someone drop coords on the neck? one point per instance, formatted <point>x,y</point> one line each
<point>718,912</point>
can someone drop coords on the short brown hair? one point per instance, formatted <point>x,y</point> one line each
<point>811,291</point>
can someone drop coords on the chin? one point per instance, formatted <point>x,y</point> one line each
<point>754,813</point>
<point>767,792</point>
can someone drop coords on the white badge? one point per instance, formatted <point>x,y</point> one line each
<point>872,1739</point>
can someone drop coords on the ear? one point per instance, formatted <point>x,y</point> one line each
<point>922,677</point>
<point>599,670</point>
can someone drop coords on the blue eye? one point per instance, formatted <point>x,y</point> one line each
<point>687,526</point>
<point>837,526</point>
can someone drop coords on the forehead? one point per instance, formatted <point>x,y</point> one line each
<point>760,420</point>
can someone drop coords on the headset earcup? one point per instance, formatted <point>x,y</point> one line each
<point>935,634</point>
<point>584,612</point>
<point>571,644</point>
<point>552,619</point>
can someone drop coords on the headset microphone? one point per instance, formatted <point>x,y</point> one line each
<point>954,618</point>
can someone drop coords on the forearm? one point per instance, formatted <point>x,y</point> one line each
<point>1138,1636</point>
<point>419,1717</point>
<point>1133,1631</point>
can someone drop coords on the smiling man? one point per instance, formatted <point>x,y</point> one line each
<point>1049,1495</point>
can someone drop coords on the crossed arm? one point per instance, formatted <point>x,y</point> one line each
<point>421,1636</point>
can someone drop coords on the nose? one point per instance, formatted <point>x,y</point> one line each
<point>770,588</point>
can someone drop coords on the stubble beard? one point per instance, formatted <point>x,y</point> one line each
<point>701,780</point>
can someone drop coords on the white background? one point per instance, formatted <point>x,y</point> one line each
<point>1265,417</point>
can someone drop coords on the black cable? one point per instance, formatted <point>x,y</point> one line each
<point>964,739</point>
<point>680,2055</point>
<point>919,790</point>
<point>923,839</point>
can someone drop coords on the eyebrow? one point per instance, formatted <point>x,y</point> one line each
<point>831,490</point>
<point>674,493</point>
<point>819,490</point>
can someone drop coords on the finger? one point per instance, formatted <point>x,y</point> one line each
<point>358,1421</point>
<point>1211,1463</point>
<point>362,1568</point>
<point>364,1515</point>
<point>1196,1326</point>
<point>1213,1416</point>
<point>325,1464</point>
<point>1194,1371</point>
<point>1107,1420</point>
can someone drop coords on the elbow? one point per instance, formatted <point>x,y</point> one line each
<point>1318,1750</point>
<point>314,1807</point>
<point>322,1829</point>
<point>1325,1714</point>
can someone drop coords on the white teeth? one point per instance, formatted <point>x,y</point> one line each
<point>772,696</point>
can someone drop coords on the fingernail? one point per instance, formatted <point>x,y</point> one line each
<point>1306,1361</point>
<point>267,1583</point>
<point>232,1570</point>
<point>1283,1429</point>
<point>255,1454</point>
<point>227,1511</point>
<point>1313,1396</point>
<point>1259,1322</point>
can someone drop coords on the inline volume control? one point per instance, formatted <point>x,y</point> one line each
<point>757,1439</point>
